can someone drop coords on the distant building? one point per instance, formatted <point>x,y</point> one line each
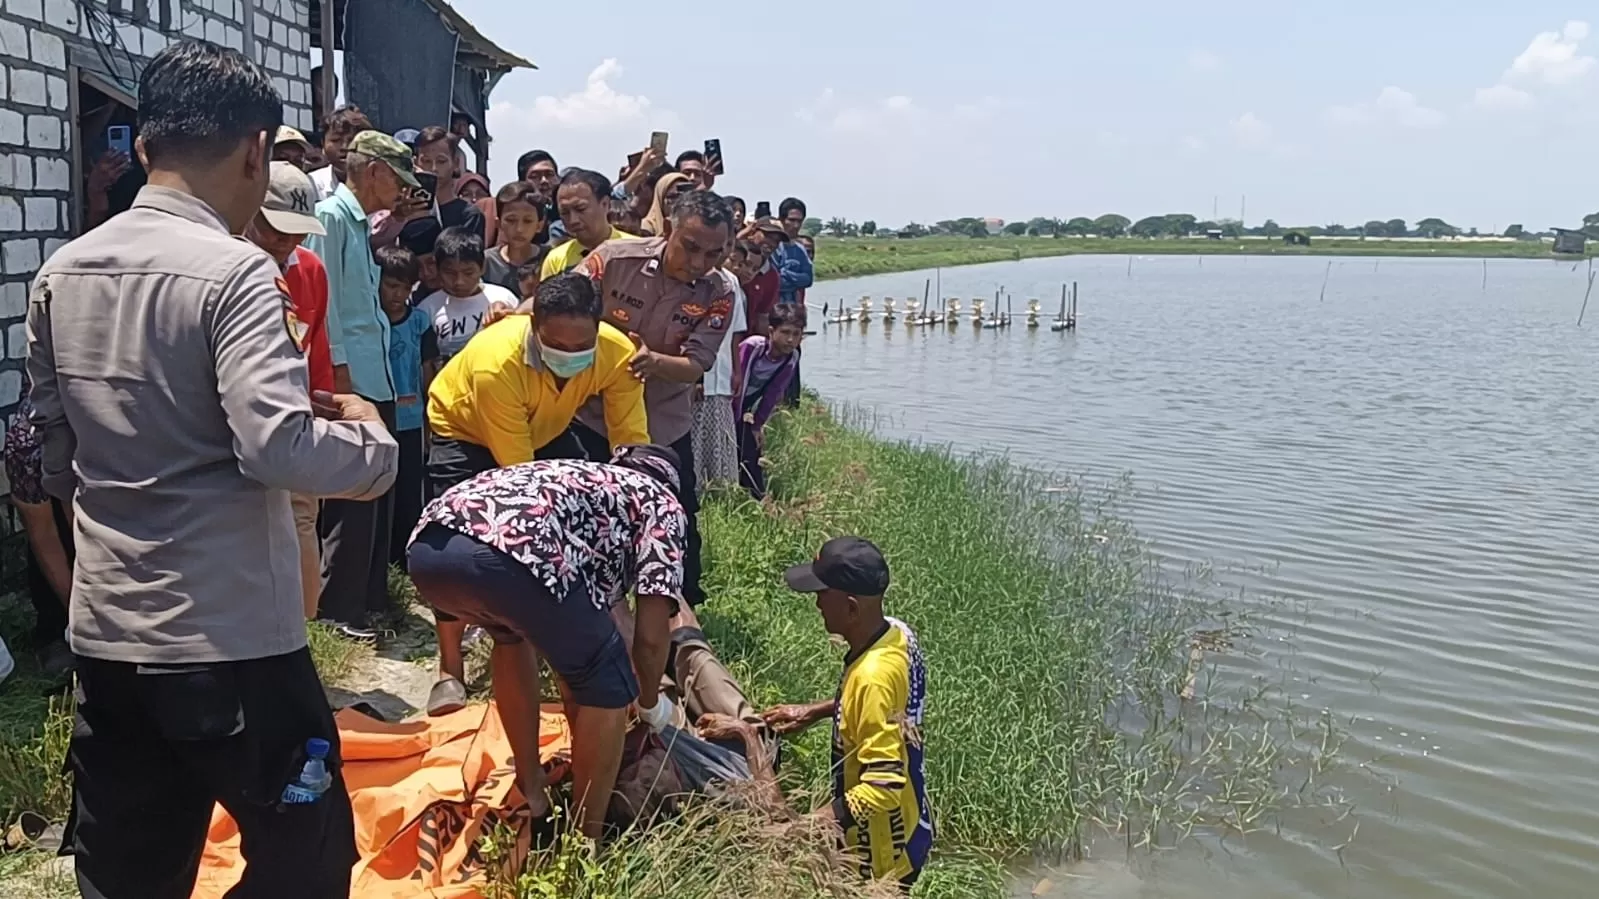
<point>1296,239</point>
<point>1574,242</point>
<point>1213,234</point>
<point>994,225</point>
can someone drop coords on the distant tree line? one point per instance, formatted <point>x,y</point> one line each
<point>1168,226</point>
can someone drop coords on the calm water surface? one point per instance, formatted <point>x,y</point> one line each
<point>1413,458</point>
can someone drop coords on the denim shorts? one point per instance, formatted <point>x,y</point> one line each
<point>478,584</point>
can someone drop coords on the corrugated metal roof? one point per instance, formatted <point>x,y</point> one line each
<point>476,49</point>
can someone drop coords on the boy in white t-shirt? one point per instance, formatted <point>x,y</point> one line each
<point>463,305</point>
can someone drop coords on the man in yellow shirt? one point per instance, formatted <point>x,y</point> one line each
<point>879,791</point>
<point>584,200</point>
<point>510,394</point>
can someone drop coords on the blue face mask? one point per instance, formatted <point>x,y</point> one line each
<point>564,364</point>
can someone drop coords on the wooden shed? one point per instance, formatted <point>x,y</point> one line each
<point>1569,241</point>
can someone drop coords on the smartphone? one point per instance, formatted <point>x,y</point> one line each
<point>763,209</point>
<point>429,187</point>
<point>119,139</point>
<point>633,159</point>
<point>713,156</point>
<point>658,142</point>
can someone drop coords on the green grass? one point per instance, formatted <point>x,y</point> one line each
<point>850,257</point>
<point>1056,654</point>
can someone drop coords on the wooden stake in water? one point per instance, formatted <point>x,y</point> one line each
<point>925,288</point>
<point>1584,310</point>
<point>1129,266</point>
<point>1485,273</point>
<point>1324,279</point>
<point>1063,301</point>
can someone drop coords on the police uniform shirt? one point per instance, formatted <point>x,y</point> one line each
<point>170,393</point>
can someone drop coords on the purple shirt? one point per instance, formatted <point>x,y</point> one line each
<point>765,377</point>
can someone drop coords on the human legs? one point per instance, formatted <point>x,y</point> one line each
<point>410,493</point>
<point>688,495</point>
<point>516,698</point>
<point>355,553</point>
<point>449,463</point>
<point>751,476</point>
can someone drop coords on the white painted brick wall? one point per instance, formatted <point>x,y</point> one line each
<point>62,14</point>
<point>10,215</point>
<point>129,34</point>
<point>17,341</point>
<point>52,174</point>
<point>13,299</point>
<point>44,132</point>
<point>27,86</point>
<point>40,213</point>
<point>32,10</point>
<point>58,92</point>
<point>22,171</point>
<point>11,127</point>
<point>49,50</point>
<point>20,257</point>
<point>215,31</point>
<point>53,244</point>
<point>152,41</point>
<point>234,38</point>
<point>280,34</point>
<point>10,392</point>
<point>13,39</point>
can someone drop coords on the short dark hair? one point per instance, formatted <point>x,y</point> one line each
<point>398,263</point>
<point>432,134</point>
<point>787,314</point>
<point>705,205</point>
<point>531,158</point>
<point>736,201</point>
<point>346,121</point>
<point>518,192</point>
<point>596,182</point>
<point>420,235</point>
<point>748,248</point>
<point>789,204</point>
<point>569,293</point>
<point>689,156</point>
<point>459,244</point>
<point>198,101</point>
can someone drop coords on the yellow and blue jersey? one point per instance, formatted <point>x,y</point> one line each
<point>879,790</point>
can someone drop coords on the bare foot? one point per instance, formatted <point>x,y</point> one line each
<point>533,788</point>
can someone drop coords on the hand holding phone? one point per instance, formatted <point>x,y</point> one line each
<point>658,142</point>
<point>713,156</point>
<point>119,139</point>
<point>763,209</point>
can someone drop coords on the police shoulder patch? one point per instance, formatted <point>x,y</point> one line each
<point>297,330</point>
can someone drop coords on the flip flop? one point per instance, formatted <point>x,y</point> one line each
<point>448,695</point>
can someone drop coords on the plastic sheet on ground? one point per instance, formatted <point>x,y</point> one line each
<point>424,792</point>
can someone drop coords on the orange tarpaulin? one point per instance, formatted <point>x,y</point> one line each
<point>423,792</point>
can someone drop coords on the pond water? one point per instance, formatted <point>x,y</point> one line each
<point>1411,457</point>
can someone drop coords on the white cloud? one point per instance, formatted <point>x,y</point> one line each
<point>1204,61</point>
<point>896,114</point>
<point>597,105</point>
<point>1251,132</point>
<point>1393,106</point>
<point>1553,57</point>
<point>1502,96</point>
<point>1193,144</point>
<point>897,103</point>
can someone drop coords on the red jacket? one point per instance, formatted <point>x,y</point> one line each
<point>762,293</point>
<point>308,288</point>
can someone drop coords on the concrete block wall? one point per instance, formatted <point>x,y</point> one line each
<point>36,131</point>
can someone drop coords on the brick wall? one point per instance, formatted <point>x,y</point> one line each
<point>36,133</point>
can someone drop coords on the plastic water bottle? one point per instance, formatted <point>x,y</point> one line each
<point>314,778</point>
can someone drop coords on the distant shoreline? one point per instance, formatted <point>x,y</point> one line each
<point>852,257</point>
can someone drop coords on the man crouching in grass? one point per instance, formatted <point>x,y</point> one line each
<point>879,793</point>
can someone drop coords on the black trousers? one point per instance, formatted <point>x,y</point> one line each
<point>355,551</point>
<point>598,448</point>
<point>791,397</point>
<point>155,747</point>
<point>410,492</point>
<point>49,610</point>
<point>751,476</point>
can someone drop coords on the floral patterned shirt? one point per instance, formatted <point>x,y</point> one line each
<point>573,521</point>
<point>23,456</point>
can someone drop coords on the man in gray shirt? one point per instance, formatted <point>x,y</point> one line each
<point>170,393</point>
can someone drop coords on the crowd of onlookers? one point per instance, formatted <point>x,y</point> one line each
<point>516,394</point>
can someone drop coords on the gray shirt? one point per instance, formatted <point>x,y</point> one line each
<point>170,394</point>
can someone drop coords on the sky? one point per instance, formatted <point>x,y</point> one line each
<point>1482,113</point>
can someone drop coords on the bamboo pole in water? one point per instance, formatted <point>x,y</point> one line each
<point>925,288</point>
<point>1485,273</point>
<point>1584,310</point>
<point>1324,279</point>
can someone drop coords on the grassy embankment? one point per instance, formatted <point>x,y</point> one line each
<point>1056,658</point>
<point>854,256</point>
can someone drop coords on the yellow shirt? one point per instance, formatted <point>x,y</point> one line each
<point>880,795</point>
<point>497,394</point>
<point>569,254</point>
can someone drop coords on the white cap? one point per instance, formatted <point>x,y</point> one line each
<point>290,204</point>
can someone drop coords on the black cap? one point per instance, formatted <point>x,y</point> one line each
<point>852,564</point>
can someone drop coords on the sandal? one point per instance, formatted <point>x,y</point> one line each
<point>448,695</point>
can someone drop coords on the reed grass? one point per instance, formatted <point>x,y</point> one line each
<point>851,257</point>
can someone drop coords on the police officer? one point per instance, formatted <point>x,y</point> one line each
<point>170,392</point>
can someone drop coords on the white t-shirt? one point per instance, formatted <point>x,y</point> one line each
<point>456,319</point>
<point>719,380</point>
